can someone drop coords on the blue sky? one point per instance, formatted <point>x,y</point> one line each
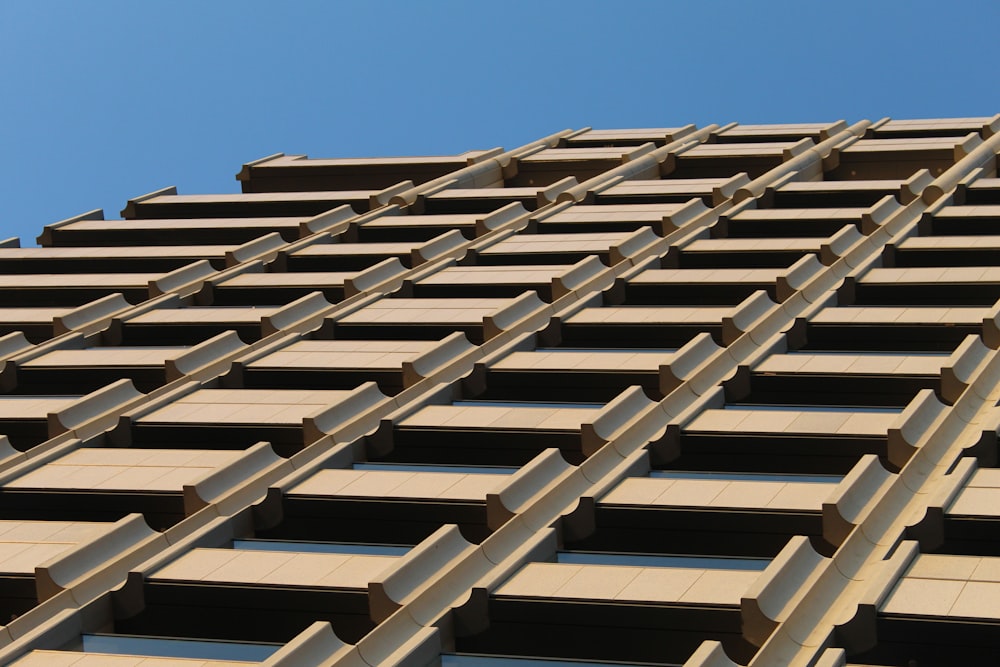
<point>105,100</point>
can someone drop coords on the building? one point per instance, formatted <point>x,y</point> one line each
<point>702,396</point>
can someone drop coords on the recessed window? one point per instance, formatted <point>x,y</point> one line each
<point>321,547</point>
<point>622,350</point>
<point>168,647</point>
<point>526,404</point>
<point>767,407</point>
<point>746,476</point>
<point>454,660</point>
<point>426,467</point>
<point>657,560</point>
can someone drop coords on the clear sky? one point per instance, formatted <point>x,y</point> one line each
<point>105,100</point>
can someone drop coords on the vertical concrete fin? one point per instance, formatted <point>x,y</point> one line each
<point>725,191</point>
<point>503,217</point>
<point>217,482</point>
<point>386,276</point>
<point>960,368</point>
<point>211,353</point>
<point>450,244</point>
<point>550,194</point>
<point>391,195</point>
<point>582,274</point>
<point>612,418</point>
<point>911,189</point>
<point>264,248</point>
<point>686,361</point>
<point>797,276</point>
<point>92,316</point>
<point>305,312</point>
<point>912,425</point>
<point>96,412</point>
<point>356,405</point>
<point>769,599</point>
<point>334,221</point>
<point>633,246</point>
<point>316,645</point>
<point>839,244</point>
<point>185,280</point>
<point>520,311</point>
<point>853,498</point>
<point>693,209</point>
<point>751,310</point>
<point>391,589</point>
<point>979,156</point>
<point>427,363</point>
<point>59,573</point>
<point>523,486</point>
<point>710,654</point>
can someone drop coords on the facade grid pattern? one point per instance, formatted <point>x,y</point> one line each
<point>701,396</point>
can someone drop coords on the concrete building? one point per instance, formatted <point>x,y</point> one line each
<point>701,396</point>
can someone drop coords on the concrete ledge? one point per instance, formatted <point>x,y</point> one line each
<point>315,645</point>
<point>211,353</point>
<point>96,412</point>
<point>525,486</point>
<point>45,238</point>
<point>387,276</point>
<point>91,317</point>
<point>417,569</point>
<point>191,277</point>
<point>771,597</point>
<point>912,425</point>
<point>305,312</point>
<point>853,498</point>
<point>244,173</point>
<point>129,210</point>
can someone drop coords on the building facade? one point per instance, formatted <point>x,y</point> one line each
<point>701,396</point>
